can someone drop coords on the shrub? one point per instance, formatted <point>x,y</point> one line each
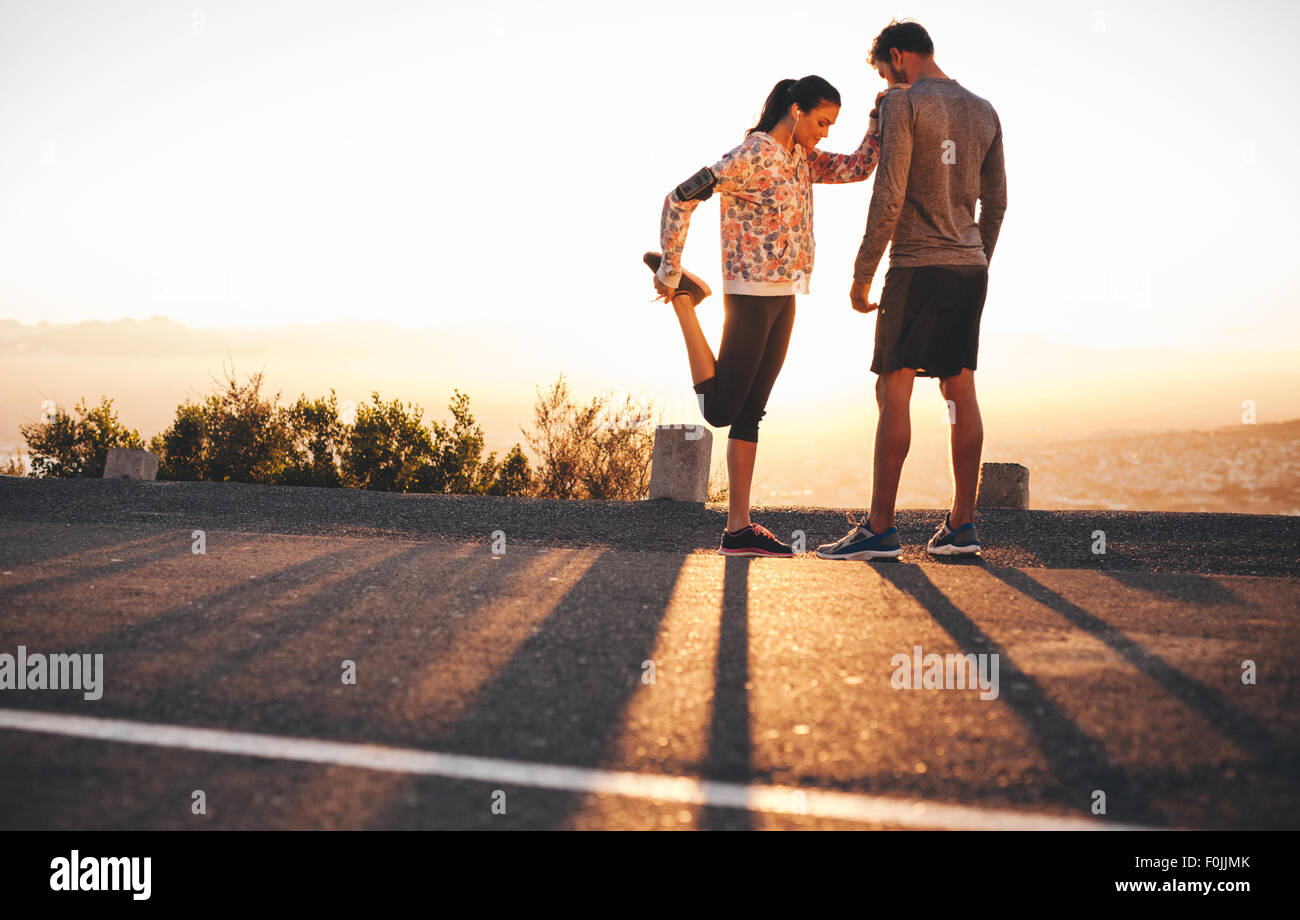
<point>67,447</point>
<point>590,451</point>
<point>233,436</point>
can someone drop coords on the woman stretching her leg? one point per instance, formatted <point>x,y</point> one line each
<point>765,194</point>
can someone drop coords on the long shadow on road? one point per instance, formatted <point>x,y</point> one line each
<point>138,554</point>
<point>1077,762</point>
<point>1242,728</point>
<point>561,696</point>
<point>730,753</point>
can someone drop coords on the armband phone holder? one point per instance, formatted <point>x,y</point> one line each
<point>698,187</point>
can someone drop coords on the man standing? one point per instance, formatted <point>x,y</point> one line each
<point>941,150</point>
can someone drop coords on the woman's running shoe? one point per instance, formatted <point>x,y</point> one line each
<point>862,543</point>
<point>690,284</point>
<point>753,540</point>
<point>949,542</point>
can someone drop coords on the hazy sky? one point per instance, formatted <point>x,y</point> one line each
<point>227,163</point>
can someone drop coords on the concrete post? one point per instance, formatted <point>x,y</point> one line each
<point>129,463</point>
<point>1003,485</point>
<point>679,468</point>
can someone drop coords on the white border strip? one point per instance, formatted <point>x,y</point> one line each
<point>785,800</point>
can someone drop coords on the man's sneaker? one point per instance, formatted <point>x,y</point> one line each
<point>949,542</point>
<point>690,284</point>
<point>862,543</point>
<point>753,540</point>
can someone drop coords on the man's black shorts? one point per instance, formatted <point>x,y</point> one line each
<point>929,319</point>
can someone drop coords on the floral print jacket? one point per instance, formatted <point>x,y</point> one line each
<point>765,201</point>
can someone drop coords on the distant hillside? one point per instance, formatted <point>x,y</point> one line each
<point>1244,468</point>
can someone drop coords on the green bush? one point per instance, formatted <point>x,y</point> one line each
<point>76,448</point>
<point>389,449</point>
<point>316,439</point>
<point>233,436</point>
<point>590,451</point>
<point>595,450</point>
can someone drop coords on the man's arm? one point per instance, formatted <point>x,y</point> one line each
<point>993,193</point>
<point>891,184</point>
<point>733,171</point>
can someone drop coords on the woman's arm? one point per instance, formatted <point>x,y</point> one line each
<point>733,173</point>
<point>856,166</point>
<point>845,167</point>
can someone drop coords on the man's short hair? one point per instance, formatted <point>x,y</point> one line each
<point>907,35</point>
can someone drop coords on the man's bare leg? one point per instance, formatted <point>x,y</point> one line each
<point>893,438</point>
<point>740,475</point>
<point>967,443</point>
<point>698,352</point>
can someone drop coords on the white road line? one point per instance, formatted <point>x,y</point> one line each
<point>786,800</point>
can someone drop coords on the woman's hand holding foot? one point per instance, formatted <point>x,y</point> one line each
<point>666,294</point>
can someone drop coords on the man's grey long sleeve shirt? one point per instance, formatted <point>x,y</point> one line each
<point>941,151</point>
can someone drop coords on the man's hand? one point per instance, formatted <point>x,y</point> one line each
<point>858,297</point>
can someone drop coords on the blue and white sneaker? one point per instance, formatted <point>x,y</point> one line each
<point>949,542</point>
<point>862,543</point>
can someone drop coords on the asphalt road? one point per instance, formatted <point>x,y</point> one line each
<point>1119,673</point>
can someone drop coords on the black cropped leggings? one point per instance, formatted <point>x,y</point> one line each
<point>755,336</point>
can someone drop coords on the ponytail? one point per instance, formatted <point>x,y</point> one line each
<point>777,104</point>
<point>809,92</point>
